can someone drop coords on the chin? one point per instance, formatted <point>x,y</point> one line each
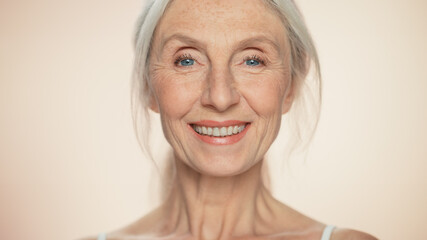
<point>221,166</point>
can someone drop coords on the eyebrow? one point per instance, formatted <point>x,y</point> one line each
<point>183,38</point>
<point>261,38</point>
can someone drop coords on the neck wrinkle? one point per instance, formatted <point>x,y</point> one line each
<point>217,207</point>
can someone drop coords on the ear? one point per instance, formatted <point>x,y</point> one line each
<point>289,98</point>
<point>154,106</point>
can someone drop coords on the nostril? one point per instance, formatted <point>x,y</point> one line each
<point>220,98</point>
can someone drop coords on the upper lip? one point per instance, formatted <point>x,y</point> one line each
<point>212,123</point>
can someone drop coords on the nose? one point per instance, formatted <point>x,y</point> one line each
<point>220,93</point>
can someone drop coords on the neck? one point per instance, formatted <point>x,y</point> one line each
<point>210,207</point>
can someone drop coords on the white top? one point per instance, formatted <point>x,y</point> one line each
<point>102,236</point>
<point>326,235</point>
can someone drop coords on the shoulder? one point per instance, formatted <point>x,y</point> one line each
<point>350,234</point>
<point>145,226</point>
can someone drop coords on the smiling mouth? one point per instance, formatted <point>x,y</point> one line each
<point>219,133</point>
<point>225,131</point>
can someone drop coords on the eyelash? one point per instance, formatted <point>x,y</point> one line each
<point>183,57</point>
<point>256,58</point>
<point>247,58</point>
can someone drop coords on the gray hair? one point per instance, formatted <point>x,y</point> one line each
<point>304,114</point>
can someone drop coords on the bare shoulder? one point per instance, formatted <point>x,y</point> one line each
<point>147,225</point>
<point>350,234</point>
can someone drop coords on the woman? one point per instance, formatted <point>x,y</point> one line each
<point>221,74</point>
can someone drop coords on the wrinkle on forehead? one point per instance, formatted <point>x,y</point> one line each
<point>226,19</point>
<point>220,11</point>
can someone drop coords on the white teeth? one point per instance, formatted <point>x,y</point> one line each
<point>223,131</point>
<point>235,129</point>
<point>241,128</point>
<point>219,131</point>
<point>216,132</point>
<point>230,130</point>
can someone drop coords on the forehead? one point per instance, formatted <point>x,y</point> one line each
<point>220,19</point>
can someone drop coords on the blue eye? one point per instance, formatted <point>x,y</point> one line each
<point>252,62</point>
<point>186,62</point>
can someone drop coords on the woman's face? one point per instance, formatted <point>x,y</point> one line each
<point>220,79</point>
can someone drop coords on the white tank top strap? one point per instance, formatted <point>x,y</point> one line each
<point>102,236</point>
<point>327,232</point>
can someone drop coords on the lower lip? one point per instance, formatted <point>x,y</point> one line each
<point>221,140</point>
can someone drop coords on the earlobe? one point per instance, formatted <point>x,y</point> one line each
<point>153,104</point>
<point>289,99</point>
<point>287,104</point>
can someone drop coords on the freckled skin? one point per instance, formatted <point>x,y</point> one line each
<point>255,94</point>
<point>218,191</point>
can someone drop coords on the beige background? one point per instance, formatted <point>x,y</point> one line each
<point>70,165</point>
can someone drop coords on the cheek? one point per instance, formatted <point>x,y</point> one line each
<point>265,96</point>
<point>175,94</point>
